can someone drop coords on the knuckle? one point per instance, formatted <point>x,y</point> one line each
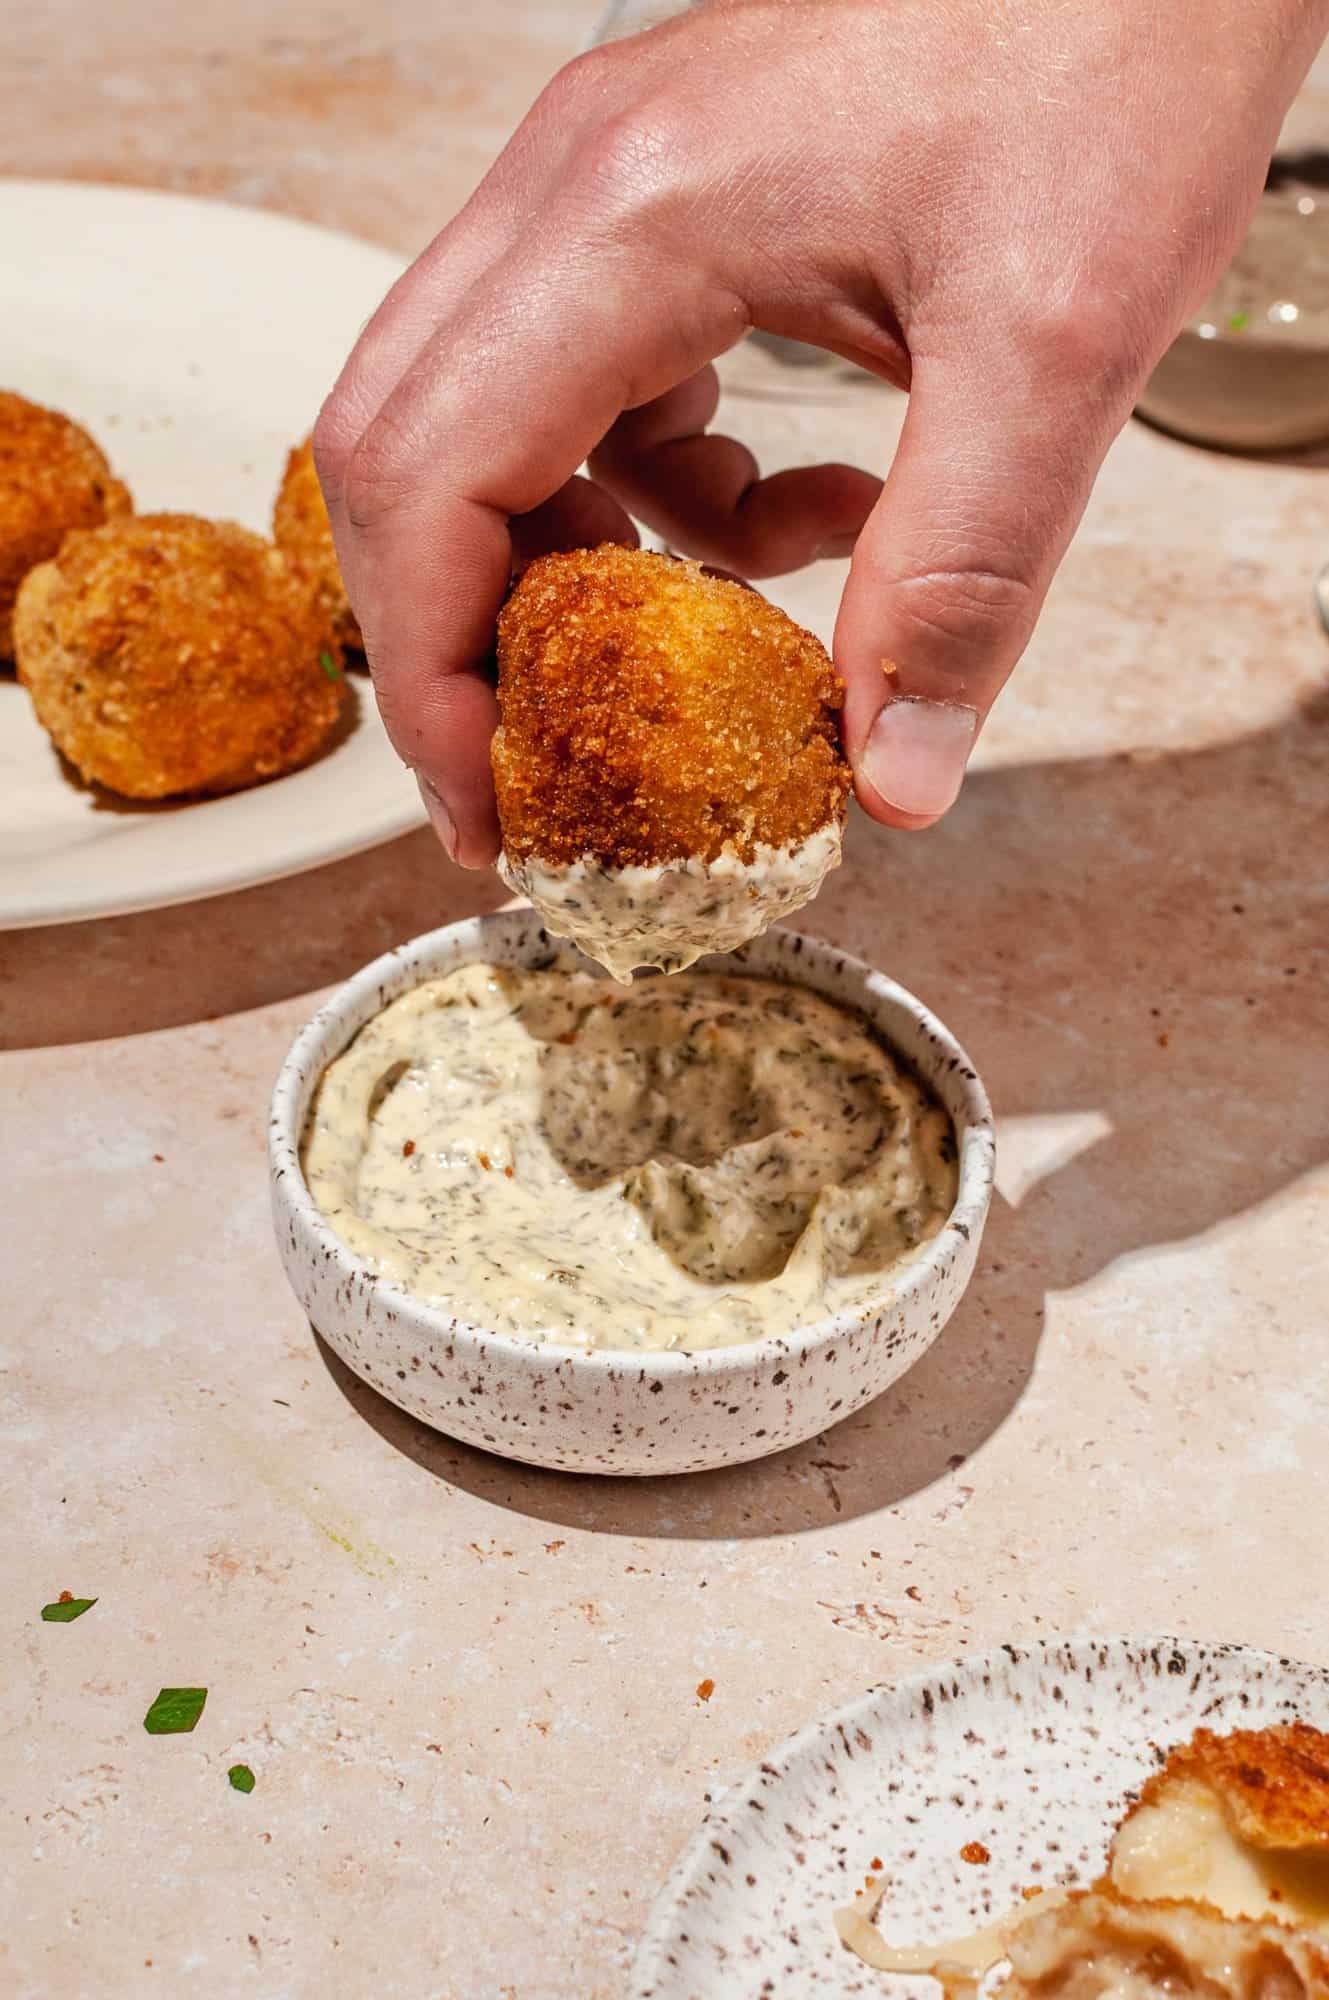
<point>579,98</point>
<point>375,477</point>
<point>362,491</point>
<point>977,608</point>
<point>1091,337</point>
<point>333,441</point>
<point>1071,322</point>
<point>584,83</point>
<point>632,162</point>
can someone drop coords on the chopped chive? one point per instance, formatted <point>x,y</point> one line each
<point>175,1711</point>
<point>329,666</point>
<point>241,1777</point>
<point>66,1609</point>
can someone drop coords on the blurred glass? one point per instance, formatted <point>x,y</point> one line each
<point>1250,372</point>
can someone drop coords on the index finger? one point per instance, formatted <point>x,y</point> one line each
<point>492,418</point>
<point>705,492</point>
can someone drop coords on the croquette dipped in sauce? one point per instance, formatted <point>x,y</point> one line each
<point>668,764</point>
<point>53,477</point>
<point>168,655</point>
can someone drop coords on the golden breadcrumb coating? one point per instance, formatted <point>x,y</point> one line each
<point>300,525</point>
<point>1273,1784</point>
<point>651,712</point>
<point>167,654</point>
<point>52,478</point>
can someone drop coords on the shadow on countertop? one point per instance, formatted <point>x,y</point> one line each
<point>920,1431</point>
<point>1141,938</point>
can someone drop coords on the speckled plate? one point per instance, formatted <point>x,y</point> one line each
<point>195,341</point>
<point>1032,1754</point>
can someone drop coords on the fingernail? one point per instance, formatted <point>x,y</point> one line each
<point>439,817</point>
<point>916,754</point>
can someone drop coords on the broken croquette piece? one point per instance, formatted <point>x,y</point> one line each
<point>300,525</point>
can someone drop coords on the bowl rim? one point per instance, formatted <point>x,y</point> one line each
<point>326,1035</point>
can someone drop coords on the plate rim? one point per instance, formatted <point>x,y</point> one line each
<point>656,1936</point>
<point>127,192</point>
<point>15,915</point>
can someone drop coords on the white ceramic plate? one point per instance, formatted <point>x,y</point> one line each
<point>1032,1753</point>
<point>196,342</point>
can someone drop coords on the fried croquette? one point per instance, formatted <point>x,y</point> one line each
<point>668,766</point>
<point>1217,1888</point>
<point>300,525</point>
<point>1218,1881</point>
<point>1272,1784</point>
<point>650,712</point>
<point>1239,1820</point>
<point>168,655</point>
<point>52,478</point>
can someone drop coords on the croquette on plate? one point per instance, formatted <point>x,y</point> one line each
<point>52,478</point>
<point>300,525</point>
<point>168,655</point>
<point>668,763</point>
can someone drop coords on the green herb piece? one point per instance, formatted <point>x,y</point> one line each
<point>329,666</point>
<point>66,1609</point>
<point>1238,322</point>
<point>241,1777</point>
<point>175,1711</point>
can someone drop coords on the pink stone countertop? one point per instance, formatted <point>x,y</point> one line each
<point>468,1691</point>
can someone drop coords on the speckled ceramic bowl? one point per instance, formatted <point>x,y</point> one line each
<point>618,1412</point>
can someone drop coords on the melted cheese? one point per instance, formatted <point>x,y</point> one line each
<point>1098,1947</point>
<point>1181,1845</point>
<point>961,1965</point>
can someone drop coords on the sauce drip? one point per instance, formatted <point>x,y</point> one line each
<point>672,913</point>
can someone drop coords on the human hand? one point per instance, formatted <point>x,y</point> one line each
<point>1009,211</point>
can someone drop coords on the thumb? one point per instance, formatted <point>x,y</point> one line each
<point>950,571</point>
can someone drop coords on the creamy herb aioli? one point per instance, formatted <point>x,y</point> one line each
<point>691,1163</point>
<point>673,913</point>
